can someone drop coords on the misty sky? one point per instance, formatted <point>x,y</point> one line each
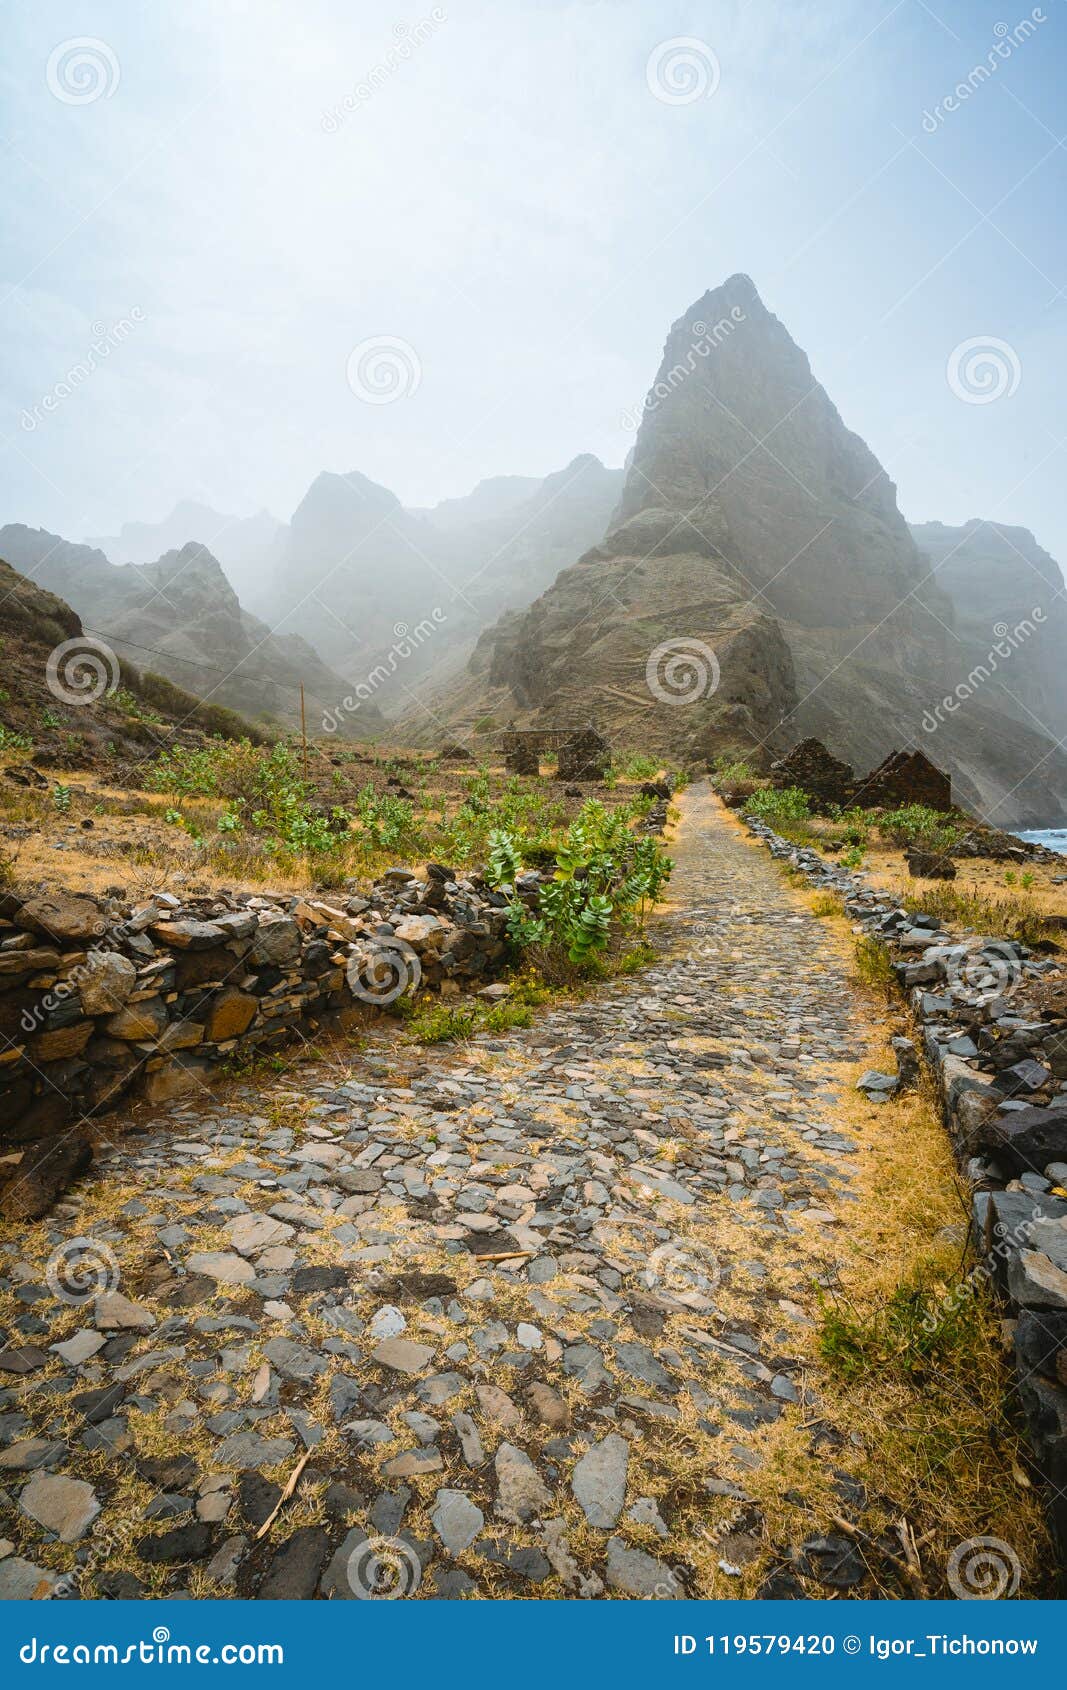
<point>515,203</point>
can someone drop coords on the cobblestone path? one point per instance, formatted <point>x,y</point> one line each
<point>532,1315</point>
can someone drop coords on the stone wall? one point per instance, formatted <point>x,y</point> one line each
<point>993,1023</point>
<point>98,999</point>
<point>521,754</point>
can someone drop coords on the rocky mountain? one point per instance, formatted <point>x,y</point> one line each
<point>1010,617</point>
<point>392,595</point>
<point>78,706</point>
<point>180,617</point>
<point>244,546</point>
<point>757,584</point>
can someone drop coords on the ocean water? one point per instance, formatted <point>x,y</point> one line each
<point>1055,838</point>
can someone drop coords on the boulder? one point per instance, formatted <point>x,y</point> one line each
<point>59,1044</point>
<point>188,935</point>
<point>138,1021</point>
<point>929,865</point>
<point>1027,1140</point>
<point>105,982</point>
<point>231,1014</point>
<point>277,941</point>
<point>65,1506</point>
<point>67,919</point>
<point>174,1079</point>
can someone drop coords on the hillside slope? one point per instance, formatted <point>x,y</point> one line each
<point>181,617</point>
<point>1007,592</point>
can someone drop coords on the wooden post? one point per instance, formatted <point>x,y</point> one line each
<point>304,732</point>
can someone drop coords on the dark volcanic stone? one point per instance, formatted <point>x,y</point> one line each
<point>183,1543</point>
<point>834,1561</point>
<point>297,1567</point>
<point>22,1358</point>
<point>308,1279</point>
<point>118,1587</point>
<point>95,1406</point>
<point>341,1500</point>
<point>1027,1140</point>
<point>169,1472</point>
<point>529,1563</point>
<point>257,1497</point>
<point>1041,1343</point>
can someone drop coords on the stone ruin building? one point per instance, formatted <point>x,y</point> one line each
<point>904,777</point>
<point>809,765</point>
<point>584,753</point>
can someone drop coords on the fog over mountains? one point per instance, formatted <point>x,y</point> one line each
<point>749,522</point>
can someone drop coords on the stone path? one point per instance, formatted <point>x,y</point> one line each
<point>534,1313</point>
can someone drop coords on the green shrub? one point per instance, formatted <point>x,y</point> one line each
<point>784,803</point>
<point>920,1328</point>
<point>917,824</point>
<point>11,741</point>
<point>640,768</point>
<point>263,790</point>
<point>606,877</point>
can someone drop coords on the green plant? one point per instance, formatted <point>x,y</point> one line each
<point>918,824</point>
<point>853,857</point>
<point>504,859</point>
<point>640,768</point>
<point>921,1327</point>
<point>441,1023</point>
<point>779,803</point>
<point>61,798</point>
<point>603,872</point>
<point>729,769</point>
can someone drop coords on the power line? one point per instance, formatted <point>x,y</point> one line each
<point>195,663</point>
